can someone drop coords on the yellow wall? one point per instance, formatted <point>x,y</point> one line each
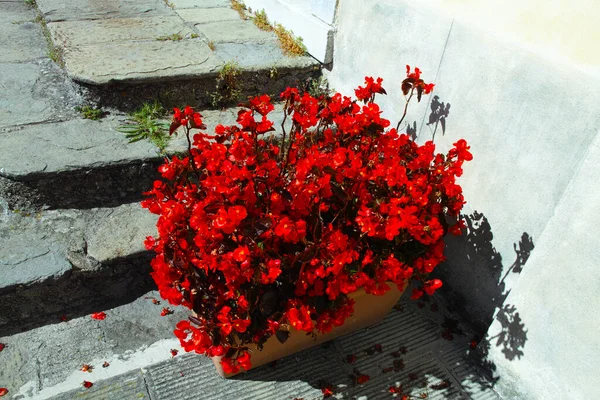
<point>564,29</point>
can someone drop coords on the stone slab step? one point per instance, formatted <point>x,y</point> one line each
<point>411,336</point>
<point>125,54</point>
<point>84,164</point>
<point>47,361</point>
<point>71,262</point>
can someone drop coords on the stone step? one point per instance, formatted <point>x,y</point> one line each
<point>81,163</point>
<point>45,363</point>
<point>130,53</point>
<point>71,262</point>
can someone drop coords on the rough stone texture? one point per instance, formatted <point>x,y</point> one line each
<point>19,83</point>
<point>92,163</point>
<point>26,258</point>
<point>71,34</point>
<point>34,93</point>
<point>409,336</point>
<point>120,233</point>
<point>200,4</point>
<point>66,10</point>
<point>206,15</point>
<point>64,146</point>
<point>46,361</point>
<point>260,56</point>
<point>236,31</point>
<point>63,254</point>
<point>22,37</point>
<point>140,61</point>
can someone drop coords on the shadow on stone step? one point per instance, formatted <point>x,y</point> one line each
<point>75,294</point>
<point>197,92</point>
<point>409,353</point>
<point>105,186</point>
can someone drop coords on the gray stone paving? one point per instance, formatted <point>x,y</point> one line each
<point>105,42</point>
<point>410,339</point>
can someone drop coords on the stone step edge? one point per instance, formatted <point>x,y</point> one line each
<point>90,163</point>
<point>72,262</point>
<point>197,91</point>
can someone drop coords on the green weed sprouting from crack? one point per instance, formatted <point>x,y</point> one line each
<point>318,87</point>
<point>145,124</point>
<point>228,89</point>
<point>89,112</point>
<point>174,37</point>
<point>55,53</point>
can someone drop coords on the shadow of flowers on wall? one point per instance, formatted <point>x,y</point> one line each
<point>439,114</point>
<point>474,256</point>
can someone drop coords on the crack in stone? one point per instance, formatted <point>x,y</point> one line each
<point>160,69</point>
<point>27,259</point>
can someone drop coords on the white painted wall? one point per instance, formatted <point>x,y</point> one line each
<point>532,119</point>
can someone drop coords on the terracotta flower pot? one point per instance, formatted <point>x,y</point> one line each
<point>368,310</point>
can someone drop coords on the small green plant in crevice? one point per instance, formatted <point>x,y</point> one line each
<point>169,4</point>
<point>194,36</point>
<point>174,37</point>
<point>145,124</point>
<point>261,21</point>
<point>30,3</point>
<point>290,44</point>
<point>273,73</point>
<point>55,53</point>
<point>211,45</point>
<point>318,87</point>
<point>240,7</point>
<point>89,112</point>
<point>228,89</point>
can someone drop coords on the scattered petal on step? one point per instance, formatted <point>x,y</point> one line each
<point>99,315</point>
<point>87,368</point>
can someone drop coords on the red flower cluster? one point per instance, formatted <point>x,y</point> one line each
<point>260,233</point>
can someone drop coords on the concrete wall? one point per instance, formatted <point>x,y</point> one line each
<point>532,120</point>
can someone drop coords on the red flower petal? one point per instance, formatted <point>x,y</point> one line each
<point>174,352</point>
<point>99,315</point>
<point>3,391</point>
<point>166,311</point>
<point>87,384</point>
<point>2,346</point>
<point>327,391</point>
<point>105,365</point>
<point>87,368</point>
